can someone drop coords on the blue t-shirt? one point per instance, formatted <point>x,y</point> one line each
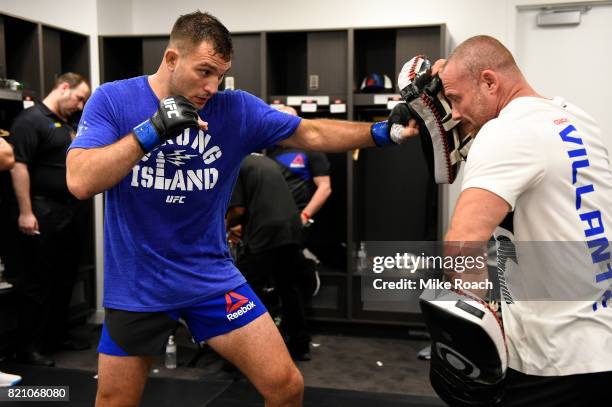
<point>164,230</point>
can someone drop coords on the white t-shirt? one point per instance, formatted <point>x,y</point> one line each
<point>546,159</point>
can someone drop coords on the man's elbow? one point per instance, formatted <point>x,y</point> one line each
<point>474,236</point>
<point>323,183</point>
<point>306,137</point>
<point>78,188</point>
<point>75,179</point>
<point>327,191</point>
<point>315,142</point>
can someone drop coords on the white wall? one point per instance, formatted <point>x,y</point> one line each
<point>153,16</point>
<point>575,63</point>
<point>114,17</point>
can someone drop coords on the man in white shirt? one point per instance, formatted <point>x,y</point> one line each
<point>544,162</point>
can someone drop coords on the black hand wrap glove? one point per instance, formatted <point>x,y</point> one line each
<point>399,115</point>
<point>390,131</point>
<point>174,114</point>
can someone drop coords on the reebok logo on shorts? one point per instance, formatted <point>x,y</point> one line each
<point>298,162</point>
<point>235,305</point>
<point>232,306</point>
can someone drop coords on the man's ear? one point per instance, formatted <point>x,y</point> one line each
<point>63,87</point>
<point>171,58</point>
<point>490,80</point>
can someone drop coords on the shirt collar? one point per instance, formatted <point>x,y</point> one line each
<point>48,112</point>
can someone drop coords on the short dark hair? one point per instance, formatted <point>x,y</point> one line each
<point>193,28</point>
<point>71,78</point>
<point>483,52</point>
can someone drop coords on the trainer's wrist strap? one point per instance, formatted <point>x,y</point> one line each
<point>146,135</point>
<point>380,134</point>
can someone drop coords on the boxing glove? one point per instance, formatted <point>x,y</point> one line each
<point>173,115</point>
<point>390,131</point>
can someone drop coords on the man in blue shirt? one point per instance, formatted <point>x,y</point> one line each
<point>167,150</point>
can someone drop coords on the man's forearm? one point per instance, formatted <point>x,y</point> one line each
<point>91,171</point>
<point>317,200</point>
<point>330,136</point>
<point>21,185</point>
<point>234,216</point>
<point>470,264</point>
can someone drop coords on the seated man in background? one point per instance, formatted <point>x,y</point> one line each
<point>306,173</point>
<point>308,176</point>
<point>263,216</point>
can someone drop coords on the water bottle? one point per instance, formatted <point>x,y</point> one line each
<point>362,259</point>
<point>171,353</point>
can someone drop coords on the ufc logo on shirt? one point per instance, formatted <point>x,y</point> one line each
<point>175,199</point>
<point>171,109</point>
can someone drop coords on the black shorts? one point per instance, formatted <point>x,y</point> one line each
<point>581,390</point>
<point>128,333</point>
